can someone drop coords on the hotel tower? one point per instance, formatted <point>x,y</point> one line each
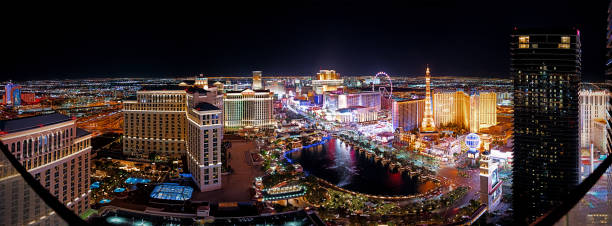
<point>56,153</point>
<point>546,65</point>
<point>176,121</point>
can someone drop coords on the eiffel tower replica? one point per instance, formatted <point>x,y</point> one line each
<point>428,126</point>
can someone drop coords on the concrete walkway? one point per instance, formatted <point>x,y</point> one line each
<point>236,186</point>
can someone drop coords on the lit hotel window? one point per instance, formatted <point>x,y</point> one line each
<point>523,42</point>
<point>565,42</point>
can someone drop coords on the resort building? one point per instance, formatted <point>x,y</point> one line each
<point>599,135</point>
<point>472,112</point>
<point>248,109</point>
<point>451,107</point>
<point>172,121</point>
<point>57,154</point>
<point>12,95</point>
<point>257,82</point>
<point>483,111</point>
<point>205,135</point>
<point>333,101</point>
<point>327,80</point>
<point>407,114</point>
<point>592,105</point>
<point>356,114</point>
<point>155,123</point>
<point>546,68</point>
<point>201,82</point>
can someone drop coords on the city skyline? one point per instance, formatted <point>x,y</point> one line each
<point>353,38</point>
<point>437,112</point>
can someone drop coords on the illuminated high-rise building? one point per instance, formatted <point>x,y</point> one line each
<point>219,86</point>
<point>487,109</point>
<point>483,111</point>
<point>428,124</point>
<point>57,154</point>
<point>369,99</point>
<point>155,123</point>
<point>444,103</point>
<point>326,80</point>
<point>248,109</point>
<point>12,95</point>
<point>174,121</point>
<point>599,135</point>
<point>546,66</point>
<point>204,138</point>
<point>452,107</point>
<point>593,105</point>
<point>407,114</point>
<point>257,82</point>
<point>201,82</point>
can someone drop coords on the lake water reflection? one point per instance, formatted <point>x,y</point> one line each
<point>340,164</point>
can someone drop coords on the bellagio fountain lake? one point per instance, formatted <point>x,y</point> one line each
<point>339,163</point>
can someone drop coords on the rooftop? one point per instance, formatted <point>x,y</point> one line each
<point>81,132</point>
<point>540,31</point>
<point>204,106</point>
<point>193,89</point>
<point>130,98</point>
<point>256,91</point>
<point>161,87</point>
<point>399,99</point>
<point>21,124</point>
<point>172,191</point>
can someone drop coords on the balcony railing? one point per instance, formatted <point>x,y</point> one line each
<point>590,203</point>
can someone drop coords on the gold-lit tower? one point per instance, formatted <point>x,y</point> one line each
<point>428,124</point>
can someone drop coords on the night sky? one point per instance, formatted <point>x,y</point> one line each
<point>354,38</point>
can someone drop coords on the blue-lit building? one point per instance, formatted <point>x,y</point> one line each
<point>12,95</point>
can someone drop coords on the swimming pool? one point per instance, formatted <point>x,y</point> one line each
<point>95,185</point>
<point>119,190</point>
<point>136,180</point>
<point>172,191</point>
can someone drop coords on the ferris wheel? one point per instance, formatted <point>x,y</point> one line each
<point>383,89</point>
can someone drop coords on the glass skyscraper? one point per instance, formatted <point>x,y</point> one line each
<point>546,66</point>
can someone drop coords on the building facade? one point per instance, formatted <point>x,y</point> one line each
<point>205,135</point>
<point>483,111</point>
<point>248,109</point>
<point>490,184</point>
<point>407,114</point>
<point>546,66</point>
<point>326,80</point>
<point>599,135</point>
<point>257,81</point>
<point>201,81</point>
<point>28,98</point>
<point>173,121</point>
<point>57,154</point>
<point>334,101</point>
<point>12,95</point>
<point>452,107</point>
<point>592,105</point>
<point>356,114</point>
<point>155,123</point>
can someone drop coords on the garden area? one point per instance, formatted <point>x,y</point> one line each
<point>332,203</point>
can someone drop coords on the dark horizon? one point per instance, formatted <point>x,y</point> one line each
<point>455,38</point>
